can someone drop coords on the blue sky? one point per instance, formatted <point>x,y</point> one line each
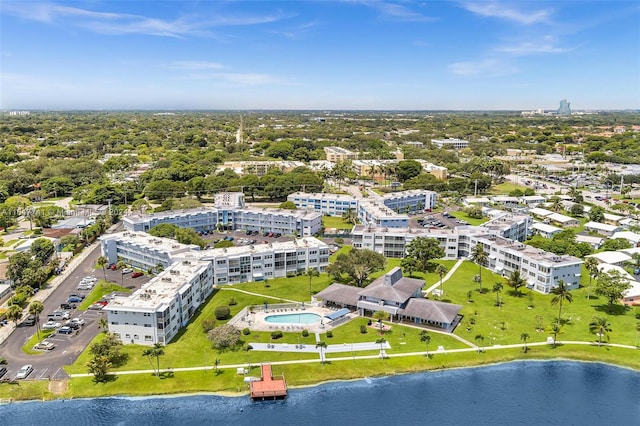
<point>351,54</point>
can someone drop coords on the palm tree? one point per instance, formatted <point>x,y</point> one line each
<point>497,288</point>
<point>103,324</point>
<point>102,263</point>
<point>312,272</point>
<point>350,216</point>
<point>14,313</point>
<point>516,281</point>
<point>381,341</point>
<point>120,265</point>
<point>426,339</point>
<point>555,330</point>
<point>35,308</point>
<point>322,345</point>
<point>556,203</point>
<point>524,337</point>
<point>561,292</point>
<point>601,327</point>
<point>155,351</point>
<point>441,270</point>
<point>479,338</point>
<point>479,256</point>
<point>592,266</point>
<point>216,363</point>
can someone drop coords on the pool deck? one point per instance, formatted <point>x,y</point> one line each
<point>256,320</point>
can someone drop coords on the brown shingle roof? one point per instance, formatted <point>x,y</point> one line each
<point>431,310</point>
<point>399,292</point>
<point>340,293</point>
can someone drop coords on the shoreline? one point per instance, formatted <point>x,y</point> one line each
<point>231,394</point>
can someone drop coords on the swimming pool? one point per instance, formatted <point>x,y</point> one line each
<point>293,318</point>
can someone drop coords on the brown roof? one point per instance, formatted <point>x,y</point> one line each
<point>340,293</point>
<point>431,310</point>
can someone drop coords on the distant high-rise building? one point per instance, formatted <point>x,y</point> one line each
<point>565,107</point>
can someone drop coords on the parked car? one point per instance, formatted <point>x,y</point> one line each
<point>78,321</point>
<point>30,321</point>
<point>51,325</point>
<point>58,314</point>
<point>270,234</point>
<point>137,274</point>
<point>277,235</point>
<point>77,295</point>
<point>90,278</point>
<point>65,330</point>
<point>44,345</point>
<point>72,325</point>
<point>74,299</point>
<point>85,286</point>
<point>127,270</point>
<point>113,267</point>
<point>24,372</point>
<point>67,306</point>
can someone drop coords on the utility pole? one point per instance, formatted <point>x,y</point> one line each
<point>621,183</point>
<point>475,191</point>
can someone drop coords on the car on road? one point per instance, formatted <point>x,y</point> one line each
<point>24,372</point>
<point>45,345</point>
<point>90,278</point>
<point>65,330</point>
<point>85,286</point>
<point>51,325</point>
<point>127,270</point>
<point>74,299</point>
<point>30,321</point>
<point>137,274</point>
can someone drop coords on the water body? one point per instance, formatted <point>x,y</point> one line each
<point>518,393</point>
<point>293,318</point>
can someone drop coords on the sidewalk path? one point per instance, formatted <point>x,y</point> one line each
<point>446,277</point>
<point>258,294</point>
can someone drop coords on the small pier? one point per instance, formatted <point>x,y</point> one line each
<point>268,387</point>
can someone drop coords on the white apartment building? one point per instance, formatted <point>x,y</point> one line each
<point>266,261</point>
<point>142,250</point>
<point>326,204</point>
<point>156,312</point>
<point>412,201</point>
<point>450,143</point>
<point>230,212</point>
<point>373,212</point>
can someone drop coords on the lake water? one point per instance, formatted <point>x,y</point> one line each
<point>518,393</point>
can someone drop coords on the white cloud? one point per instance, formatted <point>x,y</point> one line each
<point>393,11</point>
<point>488,68</point>
<point>195,65</point>
<point>542,46</point>
<point>495,9</point>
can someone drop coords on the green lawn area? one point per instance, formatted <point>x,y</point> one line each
<point>505,188</point>
<point>10,243</point>
<point>99,291</point>
<point>459,214</point>
<point>28,347</point>
<point>336,222</point>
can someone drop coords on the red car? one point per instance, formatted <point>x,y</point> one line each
<point>136,274</point>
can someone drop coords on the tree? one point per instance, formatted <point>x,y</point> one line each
<point>409,265</point>
<point>99,366</point>
<point>516,281</point>
<point>103,324</point>
<point>102,263</point>
<point>424,250</point>
<point>524,337</point>
<point>596,214</point>
<point>14,313</point>
<point>155,351</point>
<point>288,205</point>
<point>611,285</point>
<point>120,265</point>
<point>350,216</point>
<point>479,256</point>
<point>556,203</point>
<point>591,263</point>
<point>322,345</point>
<point>480,339</point>
<point>407,169</point>
<point>42,249</point>
<point>561,293</point>
<point>426,339</point>
<point>497,288</point>
<point>601,327</point>
<point>358,264</point>
<point>225,336</point>
<point>35,308</point>
<point>441,270</point>
<point>577,210</point>
<point>312,272</point>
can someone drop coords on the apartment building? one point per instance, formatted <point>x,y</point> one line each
<point>260,262</point>
<point>160,308</point>
<point>229,211</point>
<point>450,143</point>
<point>326,204</point>
<point>260,168</point>
<point>411,201</point>
<point>143,251</point>
<point>336,154</point>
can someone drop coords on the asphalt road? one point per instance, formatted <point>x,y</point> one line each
<point>48,364</point>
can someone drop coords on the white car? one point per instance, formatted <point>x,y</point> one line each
<point>78,321</point>
<point>45,345</point>
<point>51,325</point>
<point>85,286</point>
<point>127,270</point>
<point>90,279</point>
<point>24,372</point>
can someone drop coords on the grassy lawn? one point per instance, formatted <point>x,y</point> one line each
<point>99,291</point>
<point>10,243</point>
<point>28,347</point>
<point>505,188</point>
<point>459,214</point>
<point>336,222</point>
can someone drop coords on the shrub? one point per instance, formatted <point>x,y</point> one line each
<point>276,335</point>
<point>208,324</point>
<point>363,329</point>
<point>232,302</point>
<point>3,361</point>
<point>246,331</point>
<point>339,241</point>
<point>222,312</point>
<point>329,334</point>
<point>305,333</point>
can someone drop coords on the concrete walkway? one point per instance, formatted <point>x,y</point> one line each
<point>446,277</point>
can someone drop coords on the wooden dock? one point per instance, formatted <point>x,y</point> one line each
<point>268,387</point>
